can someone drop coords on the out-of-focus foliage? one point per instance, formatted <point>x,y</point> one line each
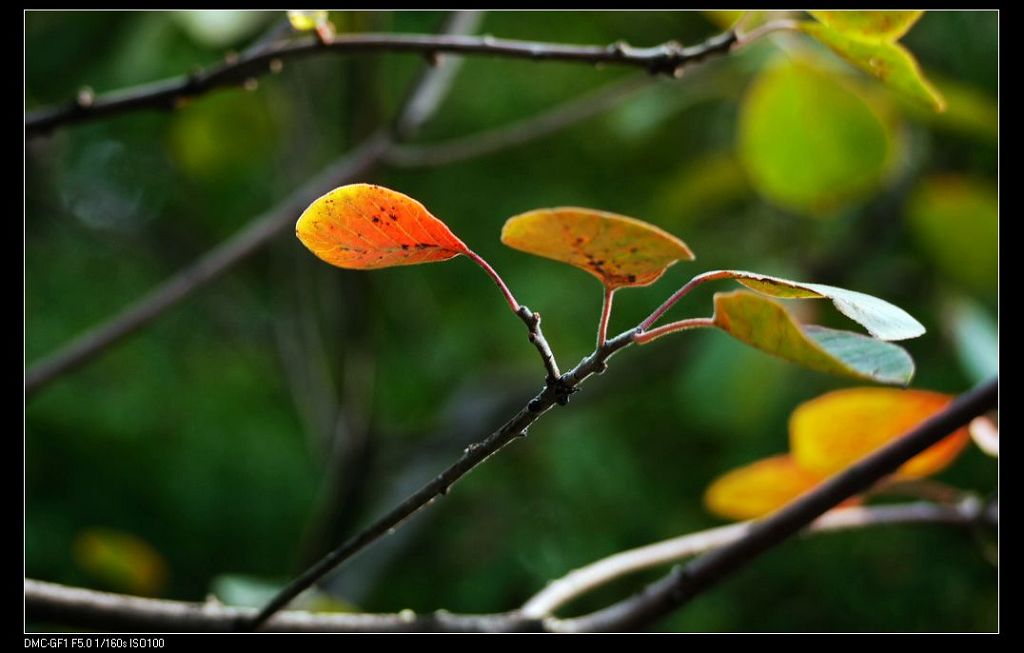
<point>217,434</point>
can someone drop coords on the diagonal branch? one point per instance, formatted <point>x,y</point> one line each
<point>423,100</point>
<point>668,58</point>
<point>683,584</point>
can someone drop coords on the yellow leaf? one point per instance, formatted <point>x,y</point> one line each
<point>869,26</point>
<point>307,21</point>
<point>122,561</point>
<point>759,488</point>
<point>618,250</point>
<point>833,431</point>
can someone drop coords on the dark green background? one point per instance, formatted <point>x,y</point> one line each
<point>208,435</point>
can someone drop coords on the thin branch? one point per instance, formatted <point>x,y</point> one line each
<point>683,584</point>
<point>668,58</point>
<point>682,325</point>
<point>682,292</point>
<point>509,297</point>
<point>556,392</point>
<point>521,131</point>
<point>585,579</point>
<point>82,608</point>
<point>258,233</point>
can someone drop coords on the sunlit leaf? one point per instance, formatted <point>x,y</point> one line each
<point>872,26</point>
<point>307,20</point>
<point>363,226</point>
<point>122,561</point>
<point>766,325</point>
<point>985,434</point>
<point>969,110</point>
<point>882,319</point>
<point>618,250</point>
<point>810,142</point>
<point>759,488</point>
<point>889,62</point>
<point>955,219</point>
<point>833,431</point>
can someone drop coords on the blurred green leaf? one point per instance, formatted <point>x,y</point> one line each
<point>969,110</point>
<point>955,220</point>
<point>703,189</point>
<point>766,325</point>
<point>889,62</point>
<point>974,337</point>
<point>869,26</point>
<point>222,27</point>
<point>810,142</point>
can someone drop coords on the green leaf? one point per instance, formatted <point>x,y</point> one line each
<point>889,62</point>
<point>955,220</point>
<point>869,26</point>
<point>766,325</point>
<point>975,339</point>
<point>811,143</point>
<point>882,319</point>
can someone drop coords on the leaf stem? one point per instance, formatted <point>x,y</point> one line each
<point>476,258</point>
<point>645,337</point>
<point>606,311</point>
<point>682,292</point>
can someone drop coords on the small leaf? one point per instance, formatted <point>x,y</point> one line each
<point>810,142</point>
<point>759,488</point>
<point>869,26</point>
<point>985,434</point>
<point>307,21</point>
<point>889,62</point>
<point>122,561</point>
<point>975,338</point>
<point>363,227</point>
<point>766,325</point>
<point>618,250</point>
<point>882,319</point>
<point>833,431</point>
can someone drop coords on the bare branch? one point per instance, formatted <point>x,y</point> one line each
<point>585,579</point>
<point>668,58</point>
<point>556,392</point>
<point>683,584</point>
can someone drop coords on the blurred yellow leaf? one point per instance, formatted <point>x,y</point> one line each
<point>122,561</point>
<point>810,142</point>
<point>759,488</point>
<point>869,26</point>
<point>618,250</point>
<point>307,20</point>
<point>889,62</point>
<point>831,432</point>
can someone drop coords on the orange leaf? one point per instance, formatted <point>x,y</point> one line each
<point>831,432</point>
<point>619,251</point>
<point>362,226</point>
<point>759,488</point>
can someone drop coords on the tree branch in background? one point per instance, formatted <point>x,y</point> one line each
<point>422,100</point>
<point>668,58</point>
<point>597,574</point>
<point>683,584</point>
<point>82,608</point>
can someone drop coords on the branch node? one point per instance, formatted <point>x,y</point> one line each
<point>231,58</point>
<point>86,96</point>
<point>433,58</point>
<point>275,66</point>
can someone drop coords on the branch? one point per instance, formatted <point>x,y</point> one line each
<point>556,392</point>
<point>423,100</point>
<point>519,132</point>
<point>683,584</point>
<point>82,608</point>
<point>668,58</point>
<point>585,579</point>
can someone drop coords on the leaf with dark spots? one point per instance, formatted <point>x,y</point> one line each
<point>618,250</point>
<point>345,228</point>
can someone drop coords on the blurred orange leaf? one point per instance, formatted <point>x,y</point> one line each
<point>362,226</point>
<point>618,250</point>
<point>122,561</point>
<point>759,488</point>
<point>831,432</point>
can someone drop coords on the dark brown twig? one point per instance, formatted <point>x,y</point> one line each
<point>667,59</point>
